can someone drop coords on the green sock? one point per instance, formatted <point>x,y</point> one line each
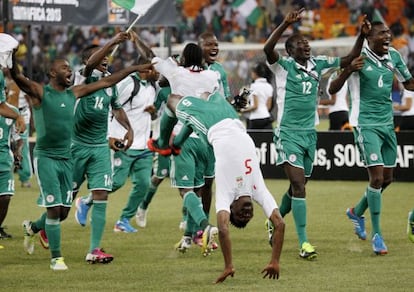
<point>98,220</point>
<point>167,124</point>
<point>190,227</point>
<point>299,215</point>
<point>362,205</point>
<point>39,224</point>
<point>148,196</point>
<point>374,203</point>
<point>286,204</point>
<point>52,228</point>
<point>194,208</point>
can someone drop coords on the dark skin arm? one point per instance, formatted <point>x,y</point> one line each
<point>337,83</point>
<point>269,48</point>
<point>7,112</point>
<point>223,221</point>
<point>122,118</point>
<point>96,58</point>
<point>365,28</point>
<point>409,85</point>
<point>85,89</point>
<point>272,270</point>
<point>142,48</point>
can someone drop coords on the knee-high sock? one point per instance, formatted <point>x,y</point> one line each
<point>299,214</point>
<point>192,203</point>
<point>374,197</point>
<point>167,123</point>
<point>98,220</point>
<point>52,228</point>
<point>362,205</point>
<point>412,216</point>
<point>39,224</point>
<point>286,204</point>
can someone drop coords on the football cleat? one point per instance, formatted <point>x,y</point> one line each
<point>153,146</point>
<point>58,264</point>
<point>410,228</point>
<point>4,234</point>
<point>81,213</point>
<point>359,223</point>
<point>43,239</point>
<point>123,225</point>
<point>307,251</point>
<point>209,238</point>
<point>98,255</point>
<point>141,217</point>
<point>28,237</point>
<point>270,229</point>
<point>378,245</point>
<point>183,244</point>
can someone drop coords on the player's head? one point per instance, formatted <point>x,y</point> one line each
<point>60,72</point>
<point>241,211</point>
<point>209,44</point>
<point>297,46</point>
<point>152,75</point>
<point>379,38</point>
<point>192,56</point>
<point>88,52</point>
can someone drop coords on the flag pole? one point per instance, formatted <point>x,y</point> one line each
<point>128,29</point>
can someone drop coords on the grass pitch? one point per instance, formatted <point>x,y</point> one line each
<point>147,261</point>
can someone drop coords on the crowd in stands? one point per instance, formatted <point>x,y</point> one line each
<point>220,17</point>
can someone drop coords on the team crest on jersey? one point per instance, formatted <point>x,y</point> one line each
<point>117,162</point>
<point>298,76</point>
<point>50,198</point>
<point>373,157</point>
<point>109,91</point>
<point>164,171</point>
<point>331,60</point>
<point>239,181</point>
<point>9,122</point>
<point>292,157</point>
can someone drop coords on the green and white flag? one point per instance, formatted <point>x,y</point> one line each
<point>248,9</point>
<point>139,7</point>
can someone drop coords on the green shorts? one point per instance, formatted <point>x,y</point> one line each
<point>195,162</point>
<point>161,166</point>
<point>6,183</point>
<point>377,146</point>
<point>296,148</point>
<point>54,177</point>
<point>93,164</point>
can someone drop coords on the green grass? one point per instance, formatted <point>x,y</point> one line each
<point>146,261</point>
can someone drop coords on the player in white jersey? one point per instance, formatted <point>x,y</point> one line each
<point>297,81</point>
<point>239,179</point>
<point>407,110</point>
<point>370,83</point>
<point>196,162</point>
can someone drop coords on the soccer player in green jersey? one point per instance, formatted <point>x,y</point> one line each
<point>8,133</point>
<point>297,80</point>
<point>53,107</point>
<point>370,84</point>
<point>239,180</point>
<point>90,150</point>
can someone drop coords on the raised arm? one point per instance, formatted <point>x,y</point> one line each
<point>142,48</point>
<point>337,83</point>
<point>269,48</point>
<point>84,89</point>
<point>96,58</point>
<point>33,89</point>
<point>364,30</point>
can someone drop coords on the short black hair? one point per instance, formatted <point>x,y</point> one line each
<point>235,223</point>
<point>290,42</point>
<point>374,24</point>
<point>87,52</point>
<point>262,70</point>
<point>205,35</point>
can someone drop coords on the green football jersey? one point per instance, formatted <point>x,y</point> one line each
<point>54,123</point>
<point>371,87</point>
<point>162,97</point>
<point>224,85</point>
<point>297,90</point>
<point>2,87</point>
<point>91,115</point>
<point>6,156</point>
<point>201,114</point>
